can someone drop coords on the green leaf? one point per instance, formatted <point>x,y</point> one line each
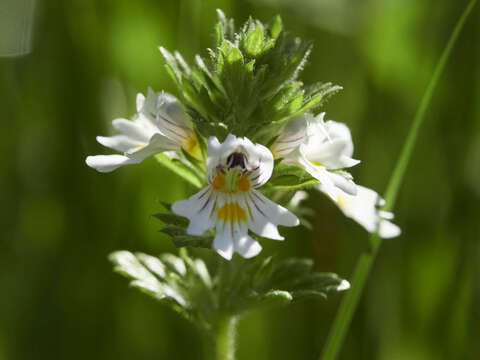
<point>181,241</point>
<point>363,267</point>
<point>127,265</point>
<point>254,42</point>
<point>276,298</point>
<point>234,56</point>
<point>285,177</point>
<point>172,219</point>
<point>276,27</point>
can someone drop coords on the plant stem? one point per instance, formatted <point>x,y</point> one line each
<point>225,338</point>
<point>350,301</point>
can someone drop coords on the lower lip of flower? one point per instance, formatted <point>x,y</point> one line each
<point>232,212</point>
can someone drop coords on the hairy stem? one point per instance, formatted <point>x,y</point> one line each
<point>225,338</point>
<point>365,262</point>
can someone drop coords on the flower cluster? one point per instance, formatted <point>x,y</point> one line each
<point>236,168</point>
<point>225,129</point>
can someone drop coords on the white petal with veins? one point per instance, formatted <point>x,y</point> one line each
<point>160,125</point>
<point>320,148</point>
<point>235,168</point>
<point>363,208</point>
<point>108,163</point>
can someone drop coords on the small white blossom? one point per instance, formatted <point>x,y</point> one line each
<point>363,208</point>
<point>161,124</point>
<point>231,203</point>
<point>320,148</point>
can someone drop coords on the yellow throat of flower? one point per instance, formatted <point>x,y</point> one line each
<point>231,182</point>
<point>232,212</point>
<point>192,146</point>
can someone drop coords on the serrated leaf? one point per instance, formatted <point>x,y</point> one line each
<point>193,241</point>
<point>174,230</point>
<point>291,269</point>
<point>174,264</point>
<point>172,219</point>
<point>308,294</point>
<point>234,56</point>
<point>127,265</point>
<point>254,42</point>
<point>318,95</point>
<point>277,297</point>
<point>276,27</point>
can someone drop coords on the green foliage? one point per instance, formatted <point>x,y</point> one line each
<point>180,282</point>
<point>176,228</point>
<point>286,177</point>
<point>187,286</point>
<point>188,173</point>
<point>248,85</point>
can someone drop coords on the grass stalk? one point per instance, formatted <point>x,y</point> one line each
<point>350,301</point>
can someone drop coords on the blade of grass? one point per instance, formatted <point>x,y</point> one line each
<point>350,301</point>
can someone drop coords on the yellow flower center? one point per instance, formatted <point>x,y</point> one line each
<point>315,163</point>
<point>243,183</point>
<point>139,148</point>
<point>219,181</point>
<point>231,182</point>
<point>232,212</point>
<point>192,146</point>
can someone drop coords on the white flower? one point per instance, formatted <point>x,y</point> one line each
<point>231,203</point>
<point>320,148</point>
<point>160,125</point>
<point>362,208</point>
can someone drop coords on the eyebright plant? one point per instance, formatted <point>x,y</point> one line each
<point>251,138</point>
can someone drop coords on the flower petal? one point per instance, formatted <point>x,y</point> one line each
<point>140,101</point>
<point>121,143</point>
<point>108,163</point>
<point>156,144</point>
<point>329,143</point>
<point>198,209</point>
<point>246,246</point>
<point>363,209</point>
<point>223,241</point>
<point>388,230</point>
<point>338,130</point>
<point>291,137</point>
<point>265,216</point>
<point>214,154</point>
<point>132,129</point>
<point>343,183</point>
<point>320,173</point>
<point>260,159</point>
<point>330,153</point>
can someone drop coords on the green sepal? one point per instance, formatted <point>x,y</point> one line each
<point>180,238</point>
<point>286,177</point>
<point>172,219</point>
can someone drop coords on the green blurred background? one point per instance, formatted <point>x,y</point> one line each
<point>59,219</point>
